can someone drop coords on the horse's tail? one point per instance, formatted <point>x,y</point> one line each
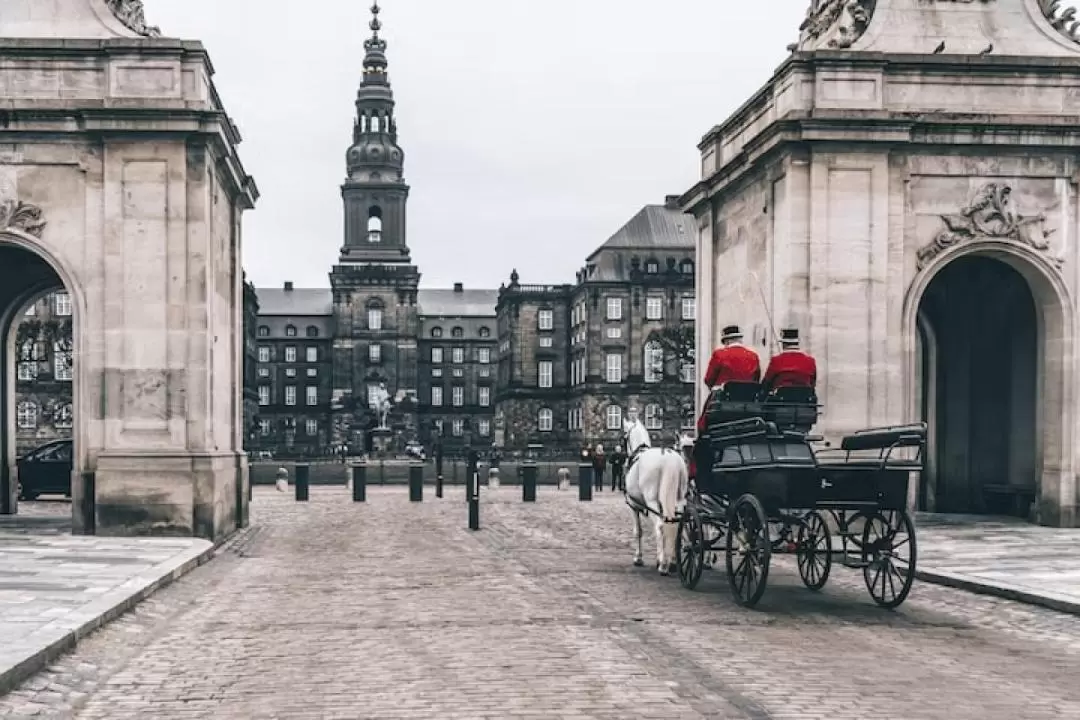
<point>674,482</point>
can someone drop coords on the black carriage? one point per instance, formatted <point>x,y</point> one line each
<point>762,489</point>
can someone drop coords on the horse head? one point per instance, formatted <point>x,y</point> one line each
<point>635,436</point>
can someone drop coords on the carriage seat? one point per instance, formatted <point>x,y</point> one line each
<point>884,440</point>
<point>734,401</point>
<point>794,408</point>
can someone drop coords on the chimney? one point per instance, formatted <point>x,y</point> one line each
<point>288,286</point>
<point>671,202</point>
<point>458,287</point>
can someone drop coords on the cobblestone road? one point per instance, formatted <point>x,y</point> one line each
<point>394,610</point>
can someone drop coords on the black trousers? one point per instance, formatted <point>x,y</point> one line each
<point>617,478</point>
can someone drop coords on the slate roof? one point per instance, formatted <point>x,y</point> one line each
<point>298,301</point>
<point>449,302</point>
<point>654,227</point>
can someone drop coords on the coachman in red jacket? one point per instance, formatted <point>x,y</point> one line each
<point>732,362</point>
<point>791,367</point>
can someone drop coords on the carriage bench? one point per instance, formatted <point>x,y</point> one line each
<point>1009,499</point>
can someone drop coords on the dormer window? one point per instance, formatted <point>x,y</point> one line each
<point>374,224</point>
<point>652,267</point>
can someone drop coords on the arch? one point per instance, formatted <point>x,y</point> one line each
<point>1055,314</point>
<point>312,331</point>
<point>484,332</point>
<point>290,330</point>
<point>375,224</point>
<point>457,332</point>
<point>263,331</point>
<point>59,276</point>
<point>436,332</point>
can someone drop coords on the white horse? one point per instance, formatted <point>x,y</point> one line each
<point>656,484</point>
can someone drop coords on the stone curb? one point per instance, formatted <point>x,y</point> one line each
<point>60,636</point>
<point>997,589</point>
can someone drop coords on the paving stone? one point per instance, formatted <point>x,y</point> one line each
<point>391,609</point>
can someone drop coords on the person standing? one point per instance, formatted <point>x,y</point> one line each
<point>599,465</point>
<point>618,464</point>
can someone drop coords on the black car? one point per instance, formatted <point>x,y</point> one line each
<point>45,470</point>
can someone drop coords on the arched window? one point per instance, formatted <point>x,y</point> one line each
<point>263,331</point>
<point>63,417</point>
<point>312,331</point>
<point>654,362</point>
<point>485,332</point>
<point>654,417</point>
<point>652,266</point>
<point>375,318</point>
<point>374,224</point>
<point>27,412</point>
<point>544,420</point>
<point>290,331</point>
<point>457,332</point>
<point>436,332</point>
<point>687,267</point>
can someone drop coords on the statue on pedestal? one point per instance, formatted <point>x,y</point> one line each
<point>380,404</point>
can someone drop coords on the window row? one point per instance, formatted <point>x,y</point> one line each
<point>311,395</point>
<point>311,427</point>
<point>457,427</point>
<point>437,372</point>
<point>458,332</point>
<point>290,331</point>
<point>653,367</point>
<point>290,372</point>
<point>28,415</point>
<point>311,353</point>
<point>613,416</point>
<point>457,355</point>
<point>32,355</point>
<point>457,396</point>
<point>654,308</point>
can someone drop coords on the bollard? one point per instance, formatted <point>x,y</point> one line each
<point>528,482</point>
<point>474,503</point>
<point>438,472</point>
<point>302,482</point>
<point>585,480</point>
<point>416,483</point>
<point>359,483</point>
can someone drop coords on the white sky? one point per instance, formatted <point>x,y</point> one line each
<point>532,129</point>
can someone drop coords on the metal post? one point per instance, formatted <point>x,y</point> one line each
<point>438,470</point>
<point>416,482</point>
<point>302,482</point>
<point>585,480</point>
<point>359,482</point>
<point>472,495</point>
<point>528,481</point>
<point>88,501</point>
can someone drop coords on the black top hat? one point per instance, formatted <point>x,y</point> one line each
<point>789,336</point>
<point>731,332</point>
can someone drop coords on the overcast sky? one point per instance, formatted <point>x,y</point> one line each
<point>532,129</point>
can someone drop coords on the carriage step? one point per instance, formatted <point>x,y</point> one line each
<point>855,564</point>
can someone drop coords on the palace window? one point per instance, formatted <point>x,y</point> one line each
<point>290,394</point>
<point>484,396</point>
<point>485,332</point>
<point>290,372</point>
<point>483,356</point>
<point>312,331</point>
<point>546,341</point>
<point>290,354</point>
<point>62,361</point>
<point>614,333</point>
<point>654,417</point>
<point>374,318</point>
<point>687,370</point>
<point>27,412</point>
<point>654,308</point>
<point>457,332</point>
<point>544,420</point>
<point>374,223</point>
<point>483,427</point>
<point>62,303</point>
<point>458,395</point>
<point>689,308</point>
<point>613,368</point>
<point>312,393</point>
<point>436,355</point>
<point>28,371</point>
<point>264,427</point>
<point>264,394</point>
<point>374,353</point>
<point>311,354</point>
<point>436,332</point>
<point>263,331</point>
<point>64,417</point>
<point>457,427</point>
<point>544,370</point>
<point>264,353</point>
<point>545,320</point>
<point>312,427</point>
<point>652,267</point>
<point>436,396</point>
<point>264,372</point>
<point>290,331</point>
<point>654,362</point>
<point>614,417</point>
<point>458,355</point>
<point>614,308</point>
<point>313,372</point>
<point>687,267</point>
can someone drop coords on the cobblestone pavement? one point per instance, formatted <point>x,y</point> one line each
<point>395,610</point>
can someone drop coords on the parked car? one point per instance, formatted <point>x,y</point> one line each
<point>45,470</point>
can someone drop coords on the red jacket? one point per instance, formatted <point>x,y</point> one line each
<point>733,363</point>
<point>791,368</point>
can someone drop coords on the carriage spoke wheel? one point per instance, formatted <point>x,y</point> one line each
<point>890,553</point>
<point>748,550</point>
<point>690,548</point>
<point>814,551</point>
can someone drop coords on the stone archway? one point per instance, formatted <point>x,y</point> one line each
<point>25,275</point>
<point>989,333</point>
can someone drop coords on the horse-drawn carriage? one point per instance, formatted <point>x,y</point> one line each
<point>761,489</point>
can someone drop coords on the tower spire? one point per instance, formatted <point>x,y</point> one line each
<point>375,42</point>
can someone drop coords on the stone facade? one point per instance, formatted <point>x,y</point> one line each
<point>120,183</point>
<point>873,188</point>
<point>251,364</point>
<point>575,360</point>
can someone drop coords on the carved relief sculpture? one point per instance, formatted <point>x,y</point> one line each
<point>1064,21</point>
<point>839,22</point>
<point>132,14</point>
<point>24,217</point>
<point>991,215</point>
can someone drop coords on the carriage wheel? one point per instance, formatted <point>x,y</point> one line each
<point>690,548</point>
<point>890,553</point>
<point>748,550</point>
<point>814,551</point>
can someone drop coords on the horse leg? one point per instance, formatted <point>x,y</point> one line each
<point>661,551</point>
<point>638,562</point>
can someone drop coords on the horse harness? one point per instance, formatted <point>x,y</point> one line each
<point>631,458</point>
